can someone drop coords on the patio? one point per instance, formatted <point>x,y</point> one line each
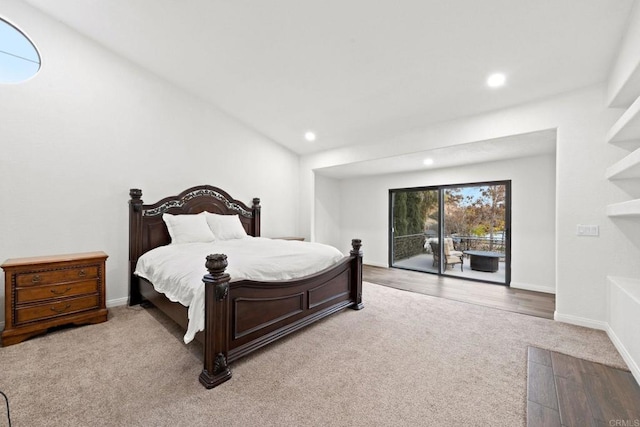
<point>424,262</point>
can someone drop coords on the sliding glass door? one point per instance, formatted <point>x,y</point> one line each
<point>471,220</point>
<point>414,222</point>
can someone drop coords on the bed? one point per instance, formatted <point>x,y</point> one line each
<point>240,316</point>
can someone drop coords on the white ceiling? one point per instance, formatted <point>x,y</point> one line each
<point>356,71</point>
<point>511,147</point>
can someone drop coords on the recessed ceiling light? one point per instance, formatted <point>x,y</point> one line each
<point>428,162</point>
<point>310,136</point>
<point>496,80</point>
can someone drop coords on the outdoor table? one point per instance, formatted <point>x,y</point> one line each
<point>484,260</point>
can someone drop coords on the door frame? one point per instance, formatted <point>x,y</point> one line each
<point>441,189</point>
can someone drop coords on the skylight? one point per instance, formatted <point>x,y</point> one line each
<point>19,59</point>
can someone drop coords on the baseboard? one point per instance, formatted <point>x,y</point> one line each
<point>531,287</point>
<point>375,264</point>
<point>604,326</point>
<point>633,366</point>
<point>580,321</point>
<point>117,302</point>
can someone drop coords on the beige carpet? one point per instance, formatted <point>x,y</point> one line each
<point>406,359</point>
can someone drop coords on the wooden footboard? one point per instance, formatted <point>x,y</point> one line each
<point>242,316</point>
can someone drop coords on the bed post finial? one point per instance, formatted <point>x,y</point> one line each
<point>356,244</point>
<point>136,198</point>
<point>216,319</point>
<point>216,264</point>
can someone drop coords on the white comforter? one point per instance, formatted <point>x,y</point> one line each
<point>176,270</point>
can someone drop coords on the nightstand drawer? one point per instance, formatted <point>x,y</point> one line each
<point>38,293</point>
<point>55,309</point>
<point>56,276</point>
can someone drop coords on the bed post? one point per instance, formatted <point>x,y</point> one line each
<point>216,322</point>
<point>135,243</point>
<point>255,210</point>
<point>356,274</point>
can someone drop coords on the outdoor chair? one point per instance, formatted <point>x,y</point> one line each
<point>452,257</point>
<point>450,249</point>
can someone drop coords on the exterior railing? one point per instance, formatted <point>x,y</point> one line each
<point>414,244</point>
<point>475,243</point>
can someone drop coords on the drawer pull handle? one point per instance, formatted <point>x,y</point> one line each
<point>61,310</point>
<point>35,279</point>
<point>82,273</point>
<point>57,292</point>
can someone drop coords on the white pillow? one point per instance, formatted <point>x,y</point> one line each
<point>188,228</point>
<point>225,227</point>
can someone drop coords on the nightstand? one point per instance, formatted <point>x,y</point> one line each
<point>43,292</point>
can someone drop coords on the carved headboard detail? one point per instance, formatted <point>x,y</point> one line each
<point>147,230</point>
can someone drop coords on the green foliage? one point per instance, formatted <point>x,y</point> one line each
<point>479,230</point>
<point>479,215</point>
<point>475,211</point>
<point>400,213</point>
<point>412,209</point>
<point>415,219</point>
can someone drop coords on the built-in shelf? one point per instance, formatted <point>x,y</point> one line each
<point>629,208</point>
<point>628,125</point>
<point>623,293</point>
<point>628,167</point>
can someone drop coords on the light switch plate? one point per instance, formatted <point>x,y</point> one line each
<point>588,230</point>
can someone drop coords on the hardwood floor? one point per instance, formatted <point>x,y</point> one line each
<point>566,391</point>
<point>497,296</point>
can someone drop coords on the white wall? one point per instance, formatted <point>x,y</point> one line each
<point>90,126</point>
<point>582,192</point>
<point>328,211</point>
<point>365,212</point>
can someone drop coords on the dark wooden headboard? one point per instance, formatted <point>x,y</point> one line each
<point>147,230</point>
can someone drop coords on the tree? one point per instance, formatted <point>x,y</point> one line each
<point>412,211</point>
<point>415,220</point>
<point>475,213</point>
<point>460,216</point>
<point>492,208</point>
<point>400,213</point>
